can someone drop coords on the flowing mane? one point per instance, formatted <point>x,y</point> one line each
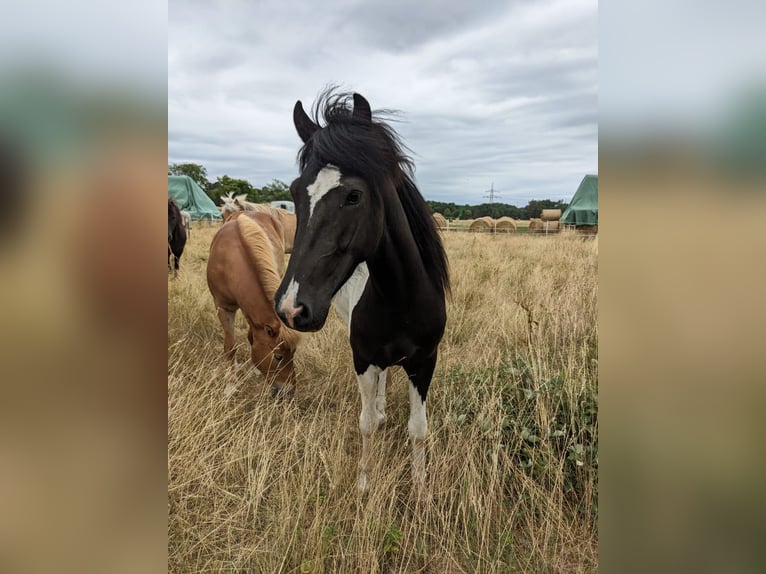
<point>261,253</point>
<point>375,151</point>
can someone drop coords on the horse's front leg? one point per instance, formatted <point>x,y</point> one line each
<point>420,375</point>
<point>380,399</point>
<point>226,317</point>
<point>368,419</point>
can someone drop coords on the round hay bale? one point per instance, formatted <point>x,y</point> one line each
<point>440,220</point>
<point>505,225</point>
<point>551,215</point>
<point>536,225</point>
<point>482,225</point>
<point>550,227</point>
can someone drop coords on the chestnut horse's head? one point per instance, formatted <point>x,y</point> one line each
<point>272,349</point>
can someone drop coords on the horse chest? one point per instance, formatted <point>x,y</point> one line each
<point>385,336</point>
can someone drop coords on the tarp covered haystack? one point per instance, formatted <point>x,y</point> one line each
<point>190,197</point>
<point>583,209</point>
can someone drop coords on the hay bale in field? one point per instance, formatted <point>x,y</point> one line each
<point>505,225</point>
<point>550,227</point>
<point>535,225</point>
<point>482,225</point>
<point>440,220</point>
<point>551,215</point>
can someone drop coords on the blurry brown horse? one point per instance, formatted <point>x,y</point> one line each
<point>243,272</point>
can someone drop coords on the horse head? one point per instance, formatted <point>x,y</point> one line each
<point>272,349</point>
<point>348,171</point>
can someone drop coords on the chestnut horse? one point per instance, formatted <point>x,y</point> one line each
<point>243,272</point>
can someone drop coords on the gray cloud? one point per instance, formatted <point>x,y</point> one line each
<point>502,92</point>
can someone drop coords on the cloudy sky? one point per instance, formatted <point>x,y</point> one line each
<point>493,92</point>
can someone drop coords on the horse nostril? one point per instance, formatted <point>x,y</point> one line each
<point>303,316</point>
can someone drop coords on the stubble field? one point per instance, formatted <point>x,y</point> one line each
<point>258,485</point>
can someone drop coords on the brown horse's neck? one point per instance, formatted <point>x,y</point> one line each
<point>256,304</point>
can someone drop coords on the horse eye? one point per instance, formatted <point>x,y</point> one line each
<point>353,197</point>
<point>278,357</point>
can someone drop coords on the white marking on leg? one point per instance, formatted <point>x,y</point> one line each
<point>326,180</point>
<point>287,303</point>
<point>380,399</point>
<point>418,429</point>
<point>368,421</point>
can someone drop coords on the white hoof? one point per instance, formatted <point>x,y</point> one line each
<point>363,483</point>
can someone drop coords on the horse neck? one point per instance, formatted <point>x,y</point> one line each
<point>255,302</point>
<point>396,267</point>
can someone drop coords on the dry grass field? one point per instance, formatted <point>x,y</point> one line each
<point>258,485</point>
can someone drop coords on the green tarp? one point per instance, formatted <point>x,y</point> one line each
<point>583,209</point>
<point>190,197</point>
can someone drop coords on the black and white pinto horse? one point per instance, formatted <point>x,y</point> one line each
<point>176,235</point>
<point>366,238</point>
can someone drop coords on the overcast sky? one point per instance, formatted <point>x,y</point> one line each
<point>491,92</point>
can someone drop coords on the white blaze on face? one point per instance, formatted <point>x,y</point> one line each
<point>287,302</point>
<point>327,179</point>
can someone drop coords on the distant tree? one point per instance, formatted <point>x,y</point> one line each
<point>225,185</point>
<point>494,210</point>
<point>535,207</point>
<point>194,170</point>
<point>275,191</point>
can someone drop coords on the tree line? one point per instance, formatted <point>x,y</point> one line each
<point>275,191</point>
<point>278,190</point>
<point>494,210</point>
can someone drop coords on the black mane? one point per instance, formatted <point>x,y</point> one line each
<point>374,152</point>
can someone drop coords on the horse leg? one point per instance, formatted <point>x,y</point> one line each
<point>368,419</point>
<point>227,322</point>
<point>420,379</point>
<point>380,399</point>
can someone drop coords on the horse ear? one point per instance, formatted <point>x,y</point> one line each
<point>303,124</point>
<point>362,108</point>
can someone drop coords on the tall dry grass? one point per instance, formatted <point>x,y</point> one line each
<point>256,485</point>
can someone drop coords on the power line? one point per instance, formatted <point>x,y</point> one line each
<point>491,193</point>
